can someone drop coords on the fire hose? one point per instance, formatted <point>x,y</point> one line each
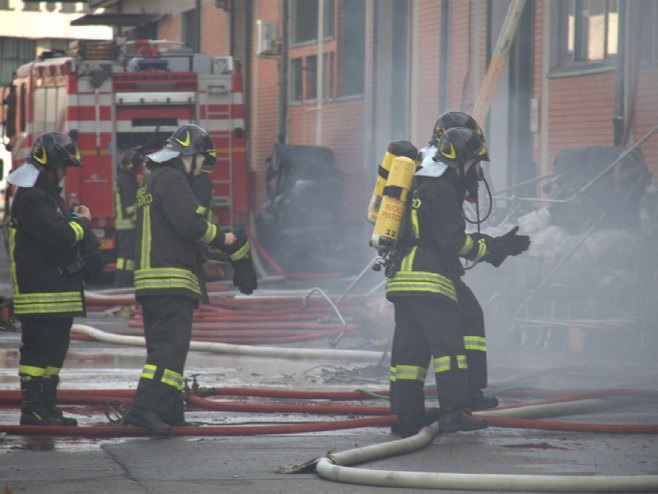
<point>335,466</point>
<point>520,416</point>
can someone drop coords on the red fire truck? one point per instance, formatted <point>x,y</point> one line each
<point>112,96</point>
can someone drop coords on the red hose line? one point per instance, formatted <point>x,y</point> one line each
<point>285,408</point>
<point>288,393</point>
<point>78,395</point>
<point>14,396</point>
<point>572,426</point>
<point>222,430</point>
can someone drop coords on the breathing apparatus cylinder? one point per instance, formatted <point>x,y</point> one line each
<point>393,204</point>
<point>395,148</point>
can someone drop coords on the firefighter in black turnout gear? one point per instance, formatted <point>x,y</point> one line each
<point>471,312</point>
<point>437,318</point>
<point>169,227</point>
<point>125,215</point>
<point>51,250</point>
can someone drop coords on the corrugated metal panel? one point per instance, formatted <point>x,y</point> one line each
<point>14,52</point>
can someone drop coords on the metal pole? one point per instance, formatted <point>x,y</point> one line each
<point>498,60</point>
<point>319,89</point>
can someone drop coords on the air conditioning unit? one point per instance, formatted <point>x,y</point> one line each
<point>267,43</point>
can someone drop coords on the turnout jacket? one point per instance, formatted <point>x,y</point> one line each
<point>46,245</point>
<point>125,194</point>
<point>169,227</point>
<point>433,240</point>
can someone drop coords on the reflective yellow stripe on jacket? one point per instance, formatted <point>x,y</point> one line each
<point>406,280</point>
<point>166,278</point>
<point>150,278</point>
<point>47,303</point>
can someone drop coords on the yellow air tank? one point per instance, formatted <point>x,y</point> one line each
<point>395,148</point>
<point>394,200</point>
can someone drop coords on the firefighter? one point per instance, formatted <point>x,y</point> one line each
<point>169,228</point>
<point>203,191</point>
<point>433,306</point>
<point>125,214</point>
<point>50,249</point>
<point>473,318</point>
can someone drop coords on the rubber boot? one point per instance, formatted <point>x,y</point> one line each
<point>50,398</point>
<point>452,419</point>
<point>34,410</point>
<point>452,391</point>
<point>176,417</point>
<point>141,417</point>
<point>478,401</point>
<point>410,424</point>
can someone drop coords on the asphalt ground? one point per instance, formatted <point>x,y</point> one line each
<point>252,463</point>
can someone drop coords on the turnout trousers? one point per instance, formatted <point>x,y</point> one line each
<point>472,325</point>
<point>168,331</point>
<point>125,258</point>
<point>427,328</point>
<point>44,345</point>
<point>449,337</point>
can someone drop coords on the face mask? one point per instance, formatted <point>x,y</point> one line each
<point>473,176</point>
<point>193,165</point>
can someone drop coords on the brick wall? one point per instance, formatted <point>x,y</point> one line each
<point>427,58</point>
<point>581,111</point>
<point>263,103</point>
<point>215,30</point>
<point>170,28</point>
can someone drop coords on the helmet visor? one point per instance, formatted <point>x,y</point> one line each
<point>69,154</point>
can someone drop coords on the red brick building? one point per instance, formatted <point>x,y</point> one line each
<point>578,73</point>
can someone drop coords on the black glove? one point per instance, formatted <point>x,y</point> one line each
<point>90,254</point>
<point>244,275</point>
<point>510,244</point>
<point>240,240</point>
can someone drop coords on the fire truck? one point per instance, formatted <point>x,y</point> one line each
<point>110,96</point>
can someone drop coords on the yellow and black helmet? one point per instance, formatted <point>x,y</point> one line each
<point>131,159</point>
<point>54,150</point>
<point>187,140</point>
<point>459,146</point>
<point>451,120</point>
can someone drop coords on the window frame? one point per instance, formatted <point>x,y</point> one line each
<point>329,31</point>
<point>570,61</point>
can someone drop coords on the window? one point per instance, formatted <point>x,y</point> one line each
<point>296,79</point>
<point>147,31</point>
<point>304,18</point>
<point>589,31</point>
<point>353,44</point>
<point>311,76</point>
<point>190,29</point>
